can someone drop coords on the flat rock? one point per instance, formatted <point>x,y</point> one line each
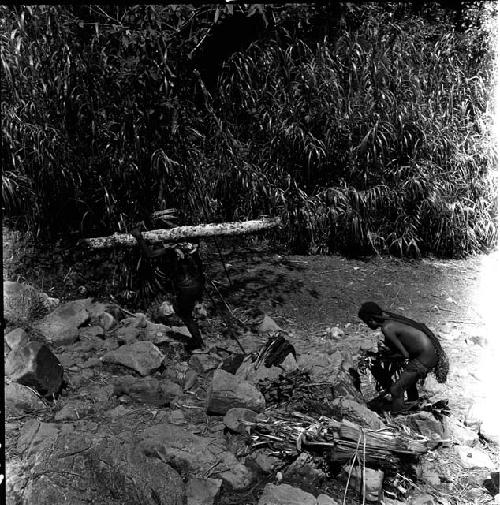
<point>226,391</point>
<point>16,338</point>
<point>358,413</point>
<point>234,417</point>
<point>193,455</point>
<point>147,390</point>
<point>104,470</point>
<point>21,398</point>
<point>284,494</point>
<point>471,457</point>
<point>202,491</point>
<point>143,357</point>
<point>62,326</point>
<point>35,365</point>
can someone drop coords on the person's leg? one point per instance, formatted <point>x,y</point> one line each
<point>406,381</point>
<point>412,393</point>
<point>186,298</point>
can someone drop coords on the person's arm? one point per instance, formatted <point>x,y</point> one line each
<point>148,251</point>
<point>393,339</point>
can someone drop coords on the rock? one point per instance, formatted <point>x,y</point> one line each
<point>36,436</point>
<point>204,362</point>
<point>117,412</point>
<point>474,458</point>
<point>128,334</point>
<point>107,321</point>
<point>176,417</point>
<point>321,366</point>
<point>150,390</point>
<point>193,455</point>
<point>166,309</point>
<point>62,326</point>
<point>91,332</point>
<point>72,412</point>
<point>21,398</point>
<point>227,391</point>
<point>16,338</point>
<point>422,499</point>
<point>234,417</point>
<point>373,480</point>
<point>265,462</point>
<point>200,311</point>
<point>303,471</point>
<point>358,413</point>
<point>144,357</point>
<point>324,499</point>
<point>92,363</point>
<point>428,472</point>
<point>284,494</point>
<point>106,470</point>
<point>425,424</point>
<point>268,325</point>
<point>202,491</point>
<point>344,387</point>
<point>190,379</point>
<point>459,433</point>
<point>23,302</point>
<point>35,366</point>
<point>248,372</point>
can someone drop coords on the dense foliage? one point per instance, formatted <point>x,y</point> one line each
<point>369,129</point>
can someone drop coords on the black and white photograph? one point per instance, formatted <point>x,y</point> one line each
<point>250,253</point>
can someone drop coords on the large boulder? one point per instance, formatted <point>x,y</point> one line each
<point>143,357</point>
<point>194,455</point>
<point>62,326</point>
<point>23,302</point>
<point>34,365</point>
<point>228,391</point>
<point>103,471</point>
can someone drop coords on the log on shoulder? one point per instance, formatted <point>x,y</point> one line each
<point>186,233</point>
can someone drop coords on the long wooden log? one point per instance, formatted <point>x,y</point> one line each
<point>186,233</point>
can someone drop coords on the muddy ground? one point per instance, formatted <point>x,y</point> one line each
<point>306,295</point>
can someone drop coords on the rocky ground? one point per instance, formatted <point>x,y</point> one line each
<point>105,406</point>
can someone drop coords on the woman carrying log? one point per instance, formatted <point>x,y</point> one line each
<point>182,265</point>
<point>411,340</point>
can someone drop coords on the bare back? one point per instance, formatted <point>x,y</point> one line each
<point>415,341</point>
